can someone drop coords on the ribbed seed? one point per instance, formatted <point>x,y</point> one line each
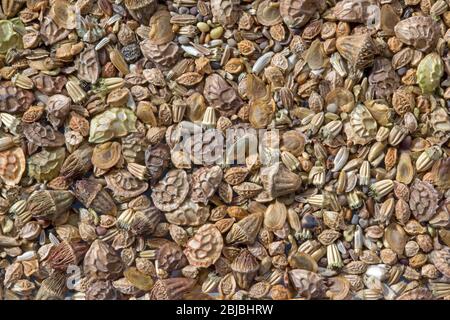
<point>118,61</point>
<point>75,91</point>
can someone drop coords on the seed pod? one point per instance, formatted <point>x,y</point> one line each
<point>92,195</point>
<point>290,161</point>
<point>397,135</point>
<point>77,163</point>
<point>49,204</point>
<point>354,201</point>
<point>298,12</point>
<point>440,259</point>
<point>331,129</point>
<point>157,159</point>
<point>58,108</point>
<point>170,257</point>
<point>405,169</point>
<point>245,267</point>
<point>245,230</point>
<point>75,91</point>
<point>423,200</point>
<point>22,81</point>
<point>88,67</point>
<point>364,173</point>
<point>275,216</point>
<point>118,61</point>
<point>124,185</point>
<point>101,262</point>
<point>384,212</point>
<point>7,142</point>
<point>358,50</point>
<point>205,182</point>
<point>10,38</point>
<point>106,155</point>
<point>205,247</point>
<point>363,123</point>
<point>308,284</point>
<point>169,193</point>
<point>53,287</point>
<point>189,213</point>
<point>43,136</point>
<point>279,181</point>
<point>163,55</point>
<point>225,12</point>
<point>65,254</point>
<point>218,92</point>
<point>141,10</point>
<point>340,159</point>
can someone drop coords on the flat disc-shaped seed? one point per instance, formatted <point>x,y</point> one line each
<point>338,288</point>
<point>396,237</point>
<point>123,184</point>
<point>268,14</point>
<point>43,136</point>
<point>138,279</point>
<point>106,155</point>
<point>45,165</point>
<point>63,14</point>
<point>169,193</point>
<point>205,247</point>
<point>189,213</point>
<point>275,216</point>
<point>160,28</point>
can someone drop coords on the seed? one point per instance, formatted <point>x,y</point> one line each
<point>216,33</point>
<point>203,27</point>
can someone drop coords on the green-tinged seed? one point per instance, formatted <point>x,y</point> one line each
<point>216,33</point>
<point>429,72</point>
<point>45,165</point>
<point>113,123</point>
<point>203,27</point>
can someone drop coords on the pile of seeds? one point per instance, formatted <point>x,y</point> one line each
<point>193,149</point>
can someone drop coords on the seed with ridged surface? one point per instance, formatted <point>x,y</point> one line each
<point>205,247</point>
<point>429,72</point>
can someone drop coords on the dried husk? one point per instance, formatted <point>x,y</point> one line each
<point>102,262</point>
<point>49,204</point>
<point>246,229</point>
<point>245,267</point>
<point>53,287</point>
<point>66,254</point>
<point>92,195</point>
<point>171,289</point>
